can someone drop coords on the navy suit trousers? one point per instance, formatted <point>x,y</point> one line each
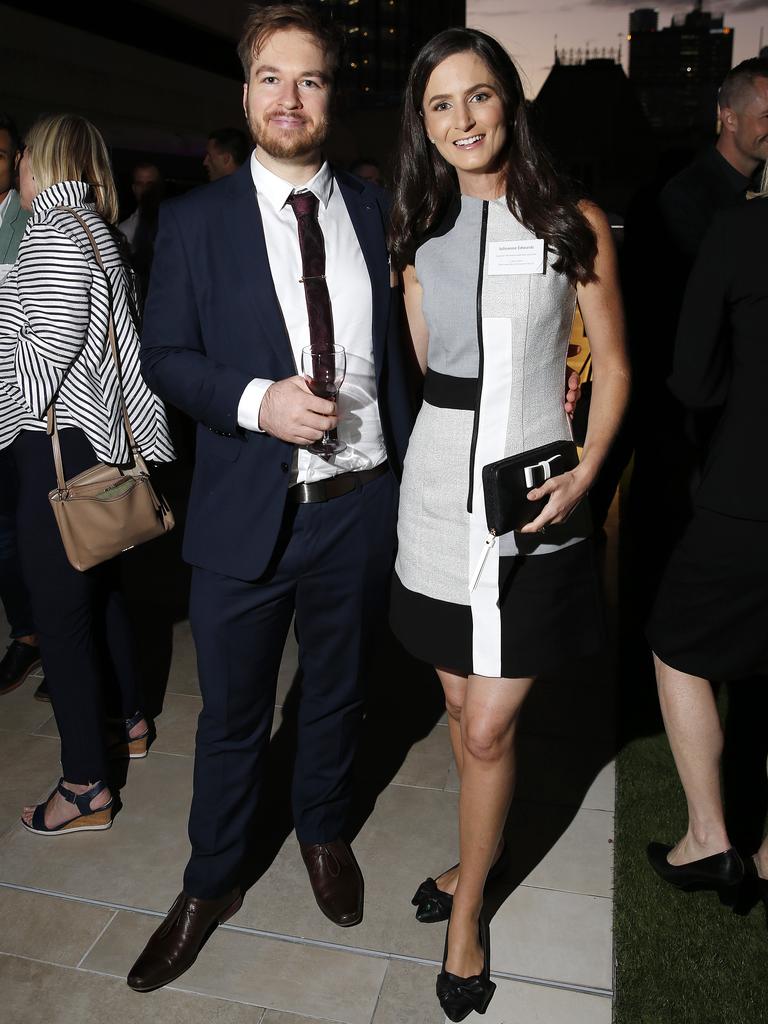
<point>330,568</point>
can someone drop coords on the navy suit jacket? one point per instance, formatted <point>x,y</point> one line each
<point>212,323</point>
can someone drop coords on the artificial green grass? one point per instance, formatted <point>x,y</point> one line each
<point>681,958</point>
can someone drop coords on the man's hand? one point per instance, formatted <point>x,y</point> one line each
<point>572,383</point>
<point>292,413</point>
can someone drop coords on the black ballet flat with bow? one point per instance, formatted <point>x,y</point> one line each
<point>433,905</point>
<point>461,996</point>
<point>722,872</point>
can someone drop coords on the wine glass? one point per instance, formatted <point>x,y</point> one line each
<point>324,373</point>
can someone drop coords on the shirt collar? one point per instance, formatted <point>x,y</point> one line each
<point>5,204</point>
<point>736,180</point>
<point>276,190</point>
<point>63,193</point>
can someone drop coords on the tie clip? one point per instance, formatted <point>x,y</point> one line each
<point>317,277</point>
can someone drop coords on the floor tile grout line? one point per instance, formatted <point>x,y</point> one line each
<point>120,977</point>
<point>518,800</point>
<point>26,732</point>
<point>98,938</point>
<point>378,994</point>
<point>564,986</point>
<point>158,913</point>
<point>322,943</point>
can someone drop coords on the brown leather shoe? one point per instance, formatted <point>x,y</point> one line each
<point>337,881</point>
<point>173,948</point>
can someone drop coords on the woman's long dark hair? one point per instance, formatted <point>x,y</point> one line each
<point>535,194</point>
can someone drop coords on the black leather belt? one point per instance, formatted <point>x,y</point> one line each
<point>334,486</point>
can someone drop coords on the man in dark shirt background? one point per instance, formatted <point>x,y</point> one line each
<point>226,150</point>
<point>662,243</point>
<point>720,178</point>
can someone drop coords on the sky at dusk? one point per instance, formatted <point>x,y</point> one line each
<point>528,27</point>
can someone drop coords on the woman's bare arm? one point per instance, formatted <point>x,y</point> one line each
<point>417,325</point>
<point>601,308</point>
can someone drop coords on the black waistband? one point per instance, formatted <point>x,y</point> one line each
<point>335,486</point>
<point>448,392</point>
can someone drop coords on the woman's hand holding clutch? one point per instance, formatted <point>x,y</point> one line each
<point>565,492</point>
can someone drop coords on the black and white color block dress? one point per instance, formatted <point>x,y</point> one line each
<point>498,342</point>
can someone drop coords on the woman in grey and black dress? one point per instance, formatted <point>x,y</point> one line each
<point>495,255</point>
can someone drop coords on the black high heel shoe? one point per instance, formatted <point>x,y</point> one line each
<point>433,905</point>
<point>461,996</point>
<point>721,872</point>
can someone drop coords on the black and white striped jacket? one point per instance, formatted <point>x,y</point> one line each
<point>54,344</point>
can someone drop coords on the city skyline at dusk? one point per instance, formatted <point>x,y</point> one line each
<point>529,31</point>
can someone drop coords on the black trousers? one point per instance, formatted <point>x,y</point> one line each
<point>80,617</point>
<point>332,568</point>
<point>13,593</point>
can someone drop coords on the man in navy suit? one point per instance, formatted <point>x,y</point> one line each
<point>273,531</point>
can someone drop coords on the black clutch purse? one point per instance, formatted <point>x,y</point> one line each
<point>506,484</point>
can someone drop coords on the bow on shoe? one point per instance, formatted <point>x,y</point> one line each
<point>433,904</point>
<point>461,996</point>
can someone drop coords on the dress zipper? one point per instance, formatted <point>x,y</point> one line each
<point>479,307</point>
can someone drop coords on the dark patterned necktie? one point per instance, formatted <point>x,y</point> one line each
<point>312,245</point>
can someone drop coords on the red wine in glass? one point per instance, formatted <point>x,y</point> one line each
<point>324,373</point>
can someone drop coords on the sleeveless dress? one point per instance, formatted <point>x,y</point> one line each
<point>494,387</point>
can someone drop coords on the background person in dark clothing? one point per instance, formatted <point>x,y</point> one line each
<point>140,229</point>
<point>671,441</point>
<point>22,655</point>
<point>227,149</point>
<point>720,178</point>
<point>146,179</point>
<point>710,620</point>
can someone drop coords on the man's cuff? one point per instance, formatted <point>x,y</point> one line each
<point>249,406</point>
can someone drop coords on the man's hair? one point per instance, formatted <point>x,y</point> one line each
<point>232,141</point>
<point>262,23</point>
<point>7,124</point>
<point>741,79</point>
<point>146,165</point>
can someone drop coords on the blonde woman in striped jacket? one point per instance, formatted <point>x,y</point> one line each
<point>54,350</point>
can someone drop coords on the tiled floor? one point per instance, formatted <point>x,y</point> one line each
<point>76,911</point>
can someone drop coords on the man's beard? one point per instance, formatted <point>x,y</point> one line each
<point>289,145</point>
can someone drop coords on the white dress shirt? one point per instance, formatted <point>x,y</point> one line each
<point>349,287</point>
<point>5,268</point>
<point>129,226</point>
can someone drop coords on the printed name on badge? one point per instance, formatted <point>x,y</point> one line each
<point>523,257</point>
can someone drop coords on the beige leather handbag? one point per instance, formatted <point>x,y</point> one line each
<point>105,510</point>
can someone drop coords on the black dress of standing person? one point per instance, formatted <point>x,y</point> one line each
<point>710,620</point>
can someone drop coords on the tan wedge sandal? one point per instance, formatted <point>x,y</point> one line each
<point>86,821</point>
<point>131,746</point>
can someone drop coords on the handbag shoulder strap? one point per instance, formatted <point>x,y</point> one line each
<point>52,428</point>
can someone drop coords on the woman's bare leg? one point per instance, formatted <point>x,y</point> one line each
<point>761,859</point>
<point>455,689</point>
<point>488,725</point>
<point>695,736</point>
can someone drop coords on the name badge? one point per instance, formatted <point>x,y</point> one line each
<point>525,257</point>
